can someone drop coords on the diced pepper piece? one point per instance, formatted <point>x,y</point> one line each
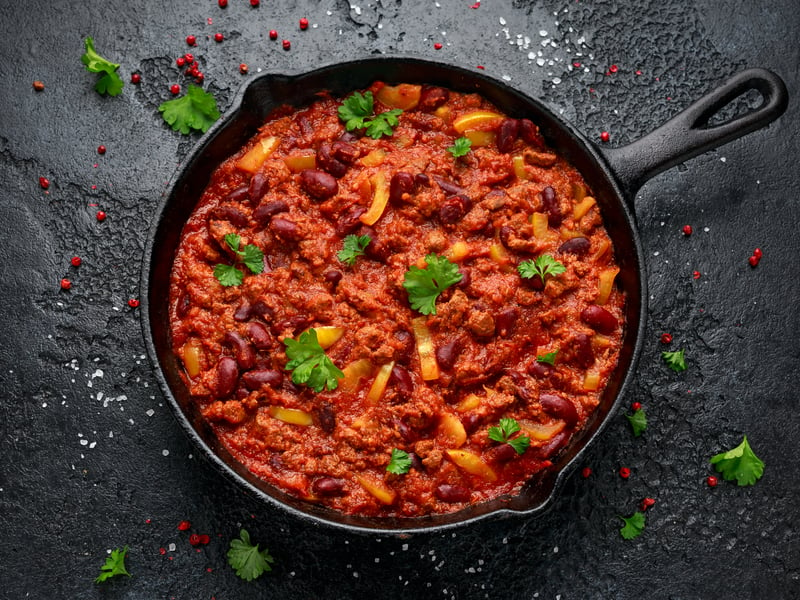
<point>380,197</point>
<point>541,228</point>
<point>471,463</point>
<point>191,357</point>
<point>457,252</point>
<point>252,160</point>
<point>541,431</point>
<point>499,254</point>
<point>425,349</point>
<point>444,113</point>
<point>451,430</point>
<point>374,158</point>
<point>291,415</point>
<point>602,247</point>
<point>578,191</point>
<point>300,162</point>
<point>480,138</point>
<point>605,284</point>
<point>353,374</point>
<point>601,341</point>
<point>568,234</point>
<point>404,96</point>
<point>518,162</point>
<point>378,489</point>
<point>470,402</point>
<point>328,335</point>
<point>379,383</point>
<point>582,207</point>
<point>591,381</point>
<point>477,119</point>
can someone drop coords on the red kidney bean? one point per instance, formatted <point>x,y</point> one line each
<point>262,309</point>
<point>448,187</point>
<point>506,231</point>
<point>529,132</point>
<point>345,152</point>
<point>332,276</point>
<point>502,453</point>
<point>471,423</point>
<point>407,346</point>
<point>285,229</point>
<point>183,304</point>
<point>447,354</point>
<point>416,462</point>
<point>245,355</point>
<point>540,369</point>
<point>505,321</point>
<point>318,184</point>
<point>421,180</point>
<point>584,353</point>
<point>599,319</point>
<point>535,283</point>
<point>328,486</point>
<point>327,418</point>
<point>260,336</point>
<point>453,209</point>
<point>231,214</point>
<point>349,221</point>
<point>553,444</point>
<point>578,246</point>
<point>400,184</point>
<point>431,98</point>
<point>551,206</point>
<point>404,430</point>
<point>294,324</point>
<point>347,136</point>
<point>466,277</point>
<point>226,377</point>
<point>239,194</point>
<point>402,381</point>
<point>451,493</point>
<point>256,378</point>
<point>559,407</point>
<point>507,134</point>
<point>328,163</point>
<point>266,210</point>
<point>306,127</point>
<point>259,185</point>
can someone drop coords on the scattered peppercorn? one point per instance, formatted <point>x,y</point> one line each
<point>66,284</point>
<point>194,539</point>
<point>136,79</point>
<point>101,149</point>
<point>696,274</point>
<point>287,45</point>
<point>180,61</point>
<point>223,3</point>
<point>38,86</point>
<point>254,3</point>
<point>218,37</point>
<point>613,68</point>
<point>188,57</point>
<point>101,215</point>
<point>754,260</point>
<point>437,46</point>
<point>75,261</point>
<point>586,472</point>
<point>243,69</point>
<point>647,503</point>
<point>711,481</point>
<point>44,182</point>
<point>184,525</point>
<point>133,303</point>
<point>687,230</point>
<point>605,136</point>
<point>303,23</point>
<point>273,34</point>
<point>624,472</point>
<point>666,338</point>
<point>758,253</point>
<point>636,406</point>
<point>191,40</point>
<point>175,89</point>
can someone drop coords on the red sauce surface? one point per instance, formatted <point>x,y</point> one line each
<point>509,199</point>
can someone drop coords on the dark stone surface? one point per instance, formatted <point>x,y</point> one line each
<point>92,459</point>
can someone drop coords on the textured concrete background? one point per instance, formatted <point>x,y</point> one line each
<point>92,459</point>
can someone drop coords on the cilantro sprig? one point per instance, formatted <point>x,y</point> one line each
<point>460,147</point>
<point>675,360</point>
<point>505,430</point>
<point>740,464</point>
<point>634,525</point>
<point>541,266</point>
<point>399,462</point>
<point>309,363</point>
<point>251,256</point>
<point>109,82</point>
<point>246,559</point>
<point>425,285</point>
<point>549,358</point>
<point>638,421</point>
<point>357,112</point>
<point>353,247</point>
<point>114,565</point>
<point>197,110</point>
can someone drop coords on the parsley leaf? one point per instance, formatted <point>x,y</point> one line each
<point>114,565</point>
<point>251,256</point>
<point>110,82</point>
<point>309,363</point>
<point>542,266</point>
<point>675,360</point>
<point>638,421</point>
<point>505,430</point>
<point>356,109</point>
<point>425,285</point>
<point>354,246</point>
<point>460,147</point>
<point>549,358</point>
<point>247,560</point>
<point>740,464</point>
<point>399,463</point>
<point>197,109</point>
<point>634,526</point>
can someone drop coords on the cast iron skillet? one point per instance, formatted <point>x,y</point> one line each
<point>613,174</point>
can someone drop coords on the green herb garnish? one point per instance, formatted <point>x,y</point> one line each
<point>399,463</point>
<point>356,111</point>
<point>354,246</point>
<point>505,430</point>
<point>246,559</point>
<point>460,147</point>
<point>638,421</point>
<point>425,285</point>
<point>110,82</point>
<point>196,110</point>
<point>740,464</point>
<point>541,266</point>
<point>309,363</point>
<point>549,358</point>
<point>114,565</point>
<point>675,360</point>
<point>251,256</point>
<point>634,526</point>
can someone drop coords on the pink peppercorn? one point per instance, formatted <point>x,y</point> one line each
<point>101,215</point>
<point>286,44</point>
<point>218,37</point>
<point>191,40</point>
<point>175,89</point>
<point>273,34</point>
<point>303,23</point>
<point>711,481</point>
<point>687,230</point>
<point>66,284</point>
<point>586,472</point>
<point>437,46</point>
<point>76,261</point>
<point>605,136</point>
<point>624,472</point>
<point>136,79</point>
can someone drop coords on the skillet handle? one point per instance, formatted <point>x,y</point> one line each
<point>688,134</point>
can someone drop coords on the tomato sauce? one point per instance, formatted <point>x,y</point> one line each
<point>536,352</point>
